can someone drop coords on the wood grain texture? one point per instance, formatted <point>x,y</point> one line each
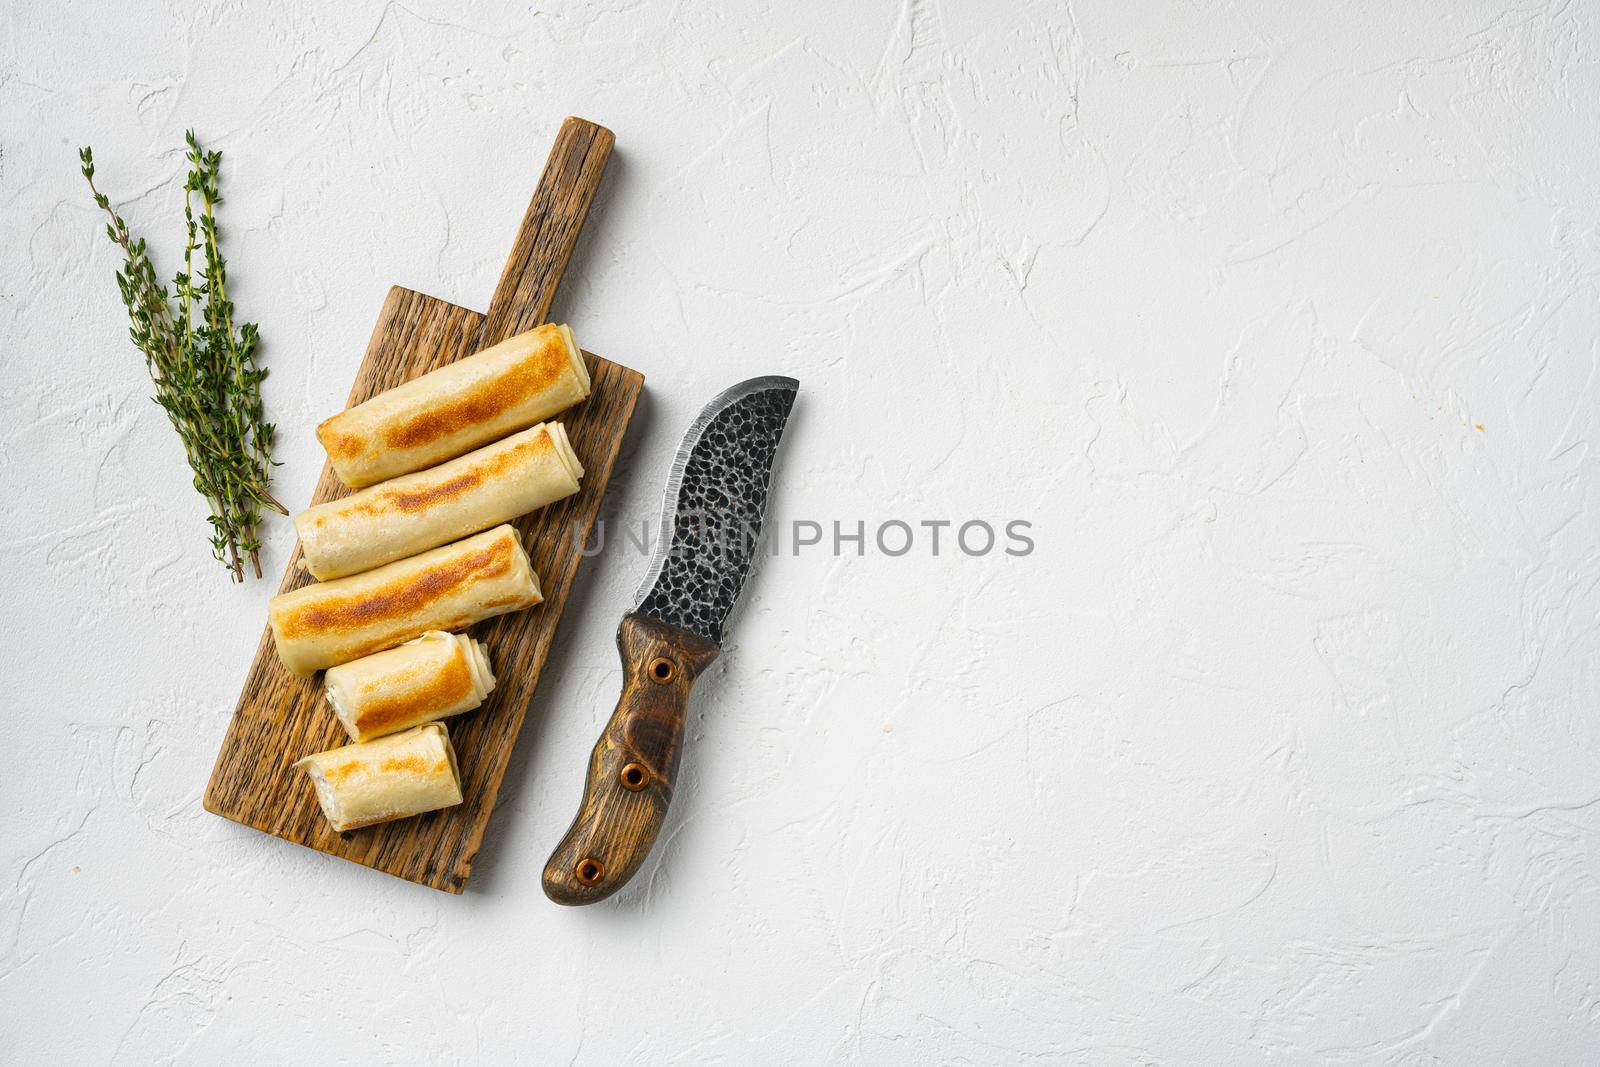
<point>619,817</point>
<point>280,718</point>
<point>549,230</point>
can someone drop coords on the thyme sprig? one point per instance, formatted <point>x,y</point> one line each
<point>203,367</point>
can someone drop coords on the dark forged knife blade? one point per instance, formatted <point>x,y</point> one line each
<point>711,519</point>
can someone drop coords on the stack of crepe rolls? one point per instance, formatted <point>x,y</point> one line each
<point>402,563</point>
<point>432,677</point>
<point>458,407</point>
<point>416,512</point>
<point>391,778</point>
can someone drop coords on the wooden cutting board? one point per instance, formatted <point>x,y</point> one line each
<point>280,718</point>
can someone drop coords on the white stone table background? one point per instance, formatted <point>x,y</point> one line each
<point>1277,321</point>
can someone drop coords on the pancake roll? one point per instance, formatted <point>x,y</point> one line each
<point>431,677</point>
<point>391,778</point>
<point>415,512</point>
<point>457,408</point>
<point>446,588</point>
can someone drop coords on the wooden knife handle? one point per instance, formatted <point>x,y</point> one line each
<point>634,764</point>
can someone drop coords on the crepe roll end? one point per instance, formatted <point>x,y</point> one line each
<point>294,658</point>
<point>534,594</point>
<point>575,355</point>
<point>304,532</point>
<point>563,446</point>
<point>342,446</point>
<point>339,700</point>
<point>478,661</point>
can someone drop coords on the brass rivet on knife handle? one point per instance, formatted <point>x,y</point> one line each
<point>661,670</point>
<point>617,822</point>
<point>549,230</point>
<point>634,777</point>
<point>589,871</point>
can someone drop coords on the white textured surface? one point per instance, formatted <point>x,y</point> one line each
<point>1280,326</point>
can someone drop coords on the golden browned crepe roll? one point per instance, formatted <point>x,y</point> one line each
<point>457,408</point>
<point>390,778</point>
<point>447,588</point>
<point>432,677</point>
<point>406,515</point>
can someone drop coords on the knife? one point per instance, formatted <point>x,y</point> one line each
<point>710,520</point>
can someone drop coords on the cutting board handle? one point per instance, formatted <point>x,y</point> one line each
<point>549,230</point>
